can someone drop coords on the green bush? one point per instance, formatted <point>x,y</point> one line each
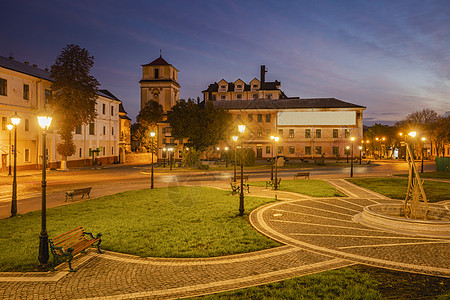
<point>203,167</point>
<point>190,158</point>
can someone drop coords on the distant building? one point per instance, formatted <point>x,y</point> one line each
<point>26,89</point>
<point>159,83</point>
<point>308,128</point>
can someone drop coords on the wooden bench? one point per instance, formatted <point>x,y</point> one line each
<point>272,182</point>
<point>238,178</point>
<point>78,192</point>
<point>70,243</point>
<point>236,187</point>
<point>301,174</point>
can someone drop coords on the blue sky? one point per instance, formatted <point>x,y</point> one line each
<point>391,56</point>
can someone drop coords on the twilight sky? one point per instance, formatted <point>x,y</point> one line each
<point>391,56</point>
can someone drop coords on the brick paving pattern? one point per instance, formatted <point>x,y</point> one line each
<point>319,234</point>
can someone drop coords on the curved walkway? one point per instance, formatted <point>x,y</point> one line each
<point>318,234</point>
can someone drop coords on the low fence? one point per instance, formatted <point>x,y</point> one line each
<point>443,164</point>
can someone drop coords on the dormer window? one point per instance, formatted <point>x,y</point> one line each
<point>222,97</point>
<point>255,86</point>
<point>223,87</point>
<point>239,96</point>
<point>239,86</point>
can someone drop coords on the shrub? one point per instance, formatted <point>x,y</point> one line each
<point>190,158</point>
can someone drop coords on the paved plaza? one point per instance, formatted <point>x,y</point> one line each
<point>318,234</point>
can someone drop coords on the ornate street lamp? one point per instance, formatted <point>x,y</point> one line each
<point>360,154</point>
<point>276,139</point>
<point>423,142</point>
<point>164,156</point>
<point>44,122</point>
<point>15,120</point>
<point>348,150</point>
<point>241,195</point>
<point>413,135</point>
<point>10,127</point>
<point>351,165</point>
<point>152,135</point>
<point>170,157</point>
<point>235,138</point>
<point>272,159</point>
<point>226,157</point>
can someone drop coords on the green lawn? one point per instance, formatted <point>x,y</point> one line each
<point>356,282</point>
<point>396,187</point>
<point>310,187</point>
<point>436,175</point>
<point>166,222</point>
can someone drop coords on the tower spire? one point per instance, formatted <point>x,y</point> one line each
<point>160,53</point>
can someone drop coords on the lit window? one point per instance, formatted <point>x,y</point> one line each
<point>291,133</point>
<point>347,133</point>
<point>291,149</point>
<point>267,149</point>
<point>259,134</point>
<point>318,150</point>
<point>280,149</point>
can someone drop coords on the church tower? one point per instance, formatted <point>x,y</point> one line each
<point>160,83</point>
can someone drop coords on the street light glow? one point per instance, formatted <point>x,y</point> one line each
<point>152,133</point>
<point>276,138</point>
<point>241,128</point>
<point>235,138</point>
<point>44,121</point>
<point>412,134</point>
<point>352,139</point>
<point>10,126</point>
<point>15,119</point>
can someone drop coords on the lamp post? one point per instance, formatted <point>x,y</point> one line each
<point>10,127</point>
<point>241,195</point>
<point>276,139</point>
<point>423,142</point>
<point>348,149</point>
<point>44,122</point>
<point>360,154</point>
<point>384,147</point>
<point>235,138</point>
<point>152,135</point>
<point>376,148</point>
<point>226,157</point>
<point>413,135</point>
<point>15,120</point>
<point>170,157</point>
<point>164,156</point>
<point>351,165</point>
<point>272,158</point>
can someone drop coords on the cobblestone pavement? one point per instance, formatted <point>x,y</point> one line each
<point>318,234</point>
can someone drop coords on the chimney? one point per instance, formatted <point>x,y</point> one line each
<point>263,74</point>
<point>27,63</point>
<point>35,65</point>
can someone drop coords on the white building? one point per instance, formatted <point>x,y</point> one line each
<point>26,90</point>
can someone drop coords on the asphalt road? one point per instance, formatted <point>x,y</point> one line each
<point>119,178</point>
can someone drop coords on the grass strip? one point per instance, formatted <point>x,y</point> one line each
<point>433,175</point>
<point>396,187</point>
<point>356,282</point>
<point>310,187</point>
<point>166,222</point>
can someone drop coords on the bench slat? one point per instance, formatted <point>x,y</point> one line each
<point>68,232</point>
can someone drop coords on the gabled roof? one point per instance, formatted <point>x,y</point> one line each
<point>288,103</point>
<point>20,67</point>
<point>107,94</point>
<point>158,62</point>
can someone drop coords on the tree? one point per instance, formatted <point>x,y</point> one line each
<point>204,126</point>
<point>74,94</point>
<point>149,116</point>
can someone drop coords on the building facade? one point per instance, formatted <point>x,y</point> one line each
<point>308,128</point>
<point>26,90</point>
<point>160,83</point>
